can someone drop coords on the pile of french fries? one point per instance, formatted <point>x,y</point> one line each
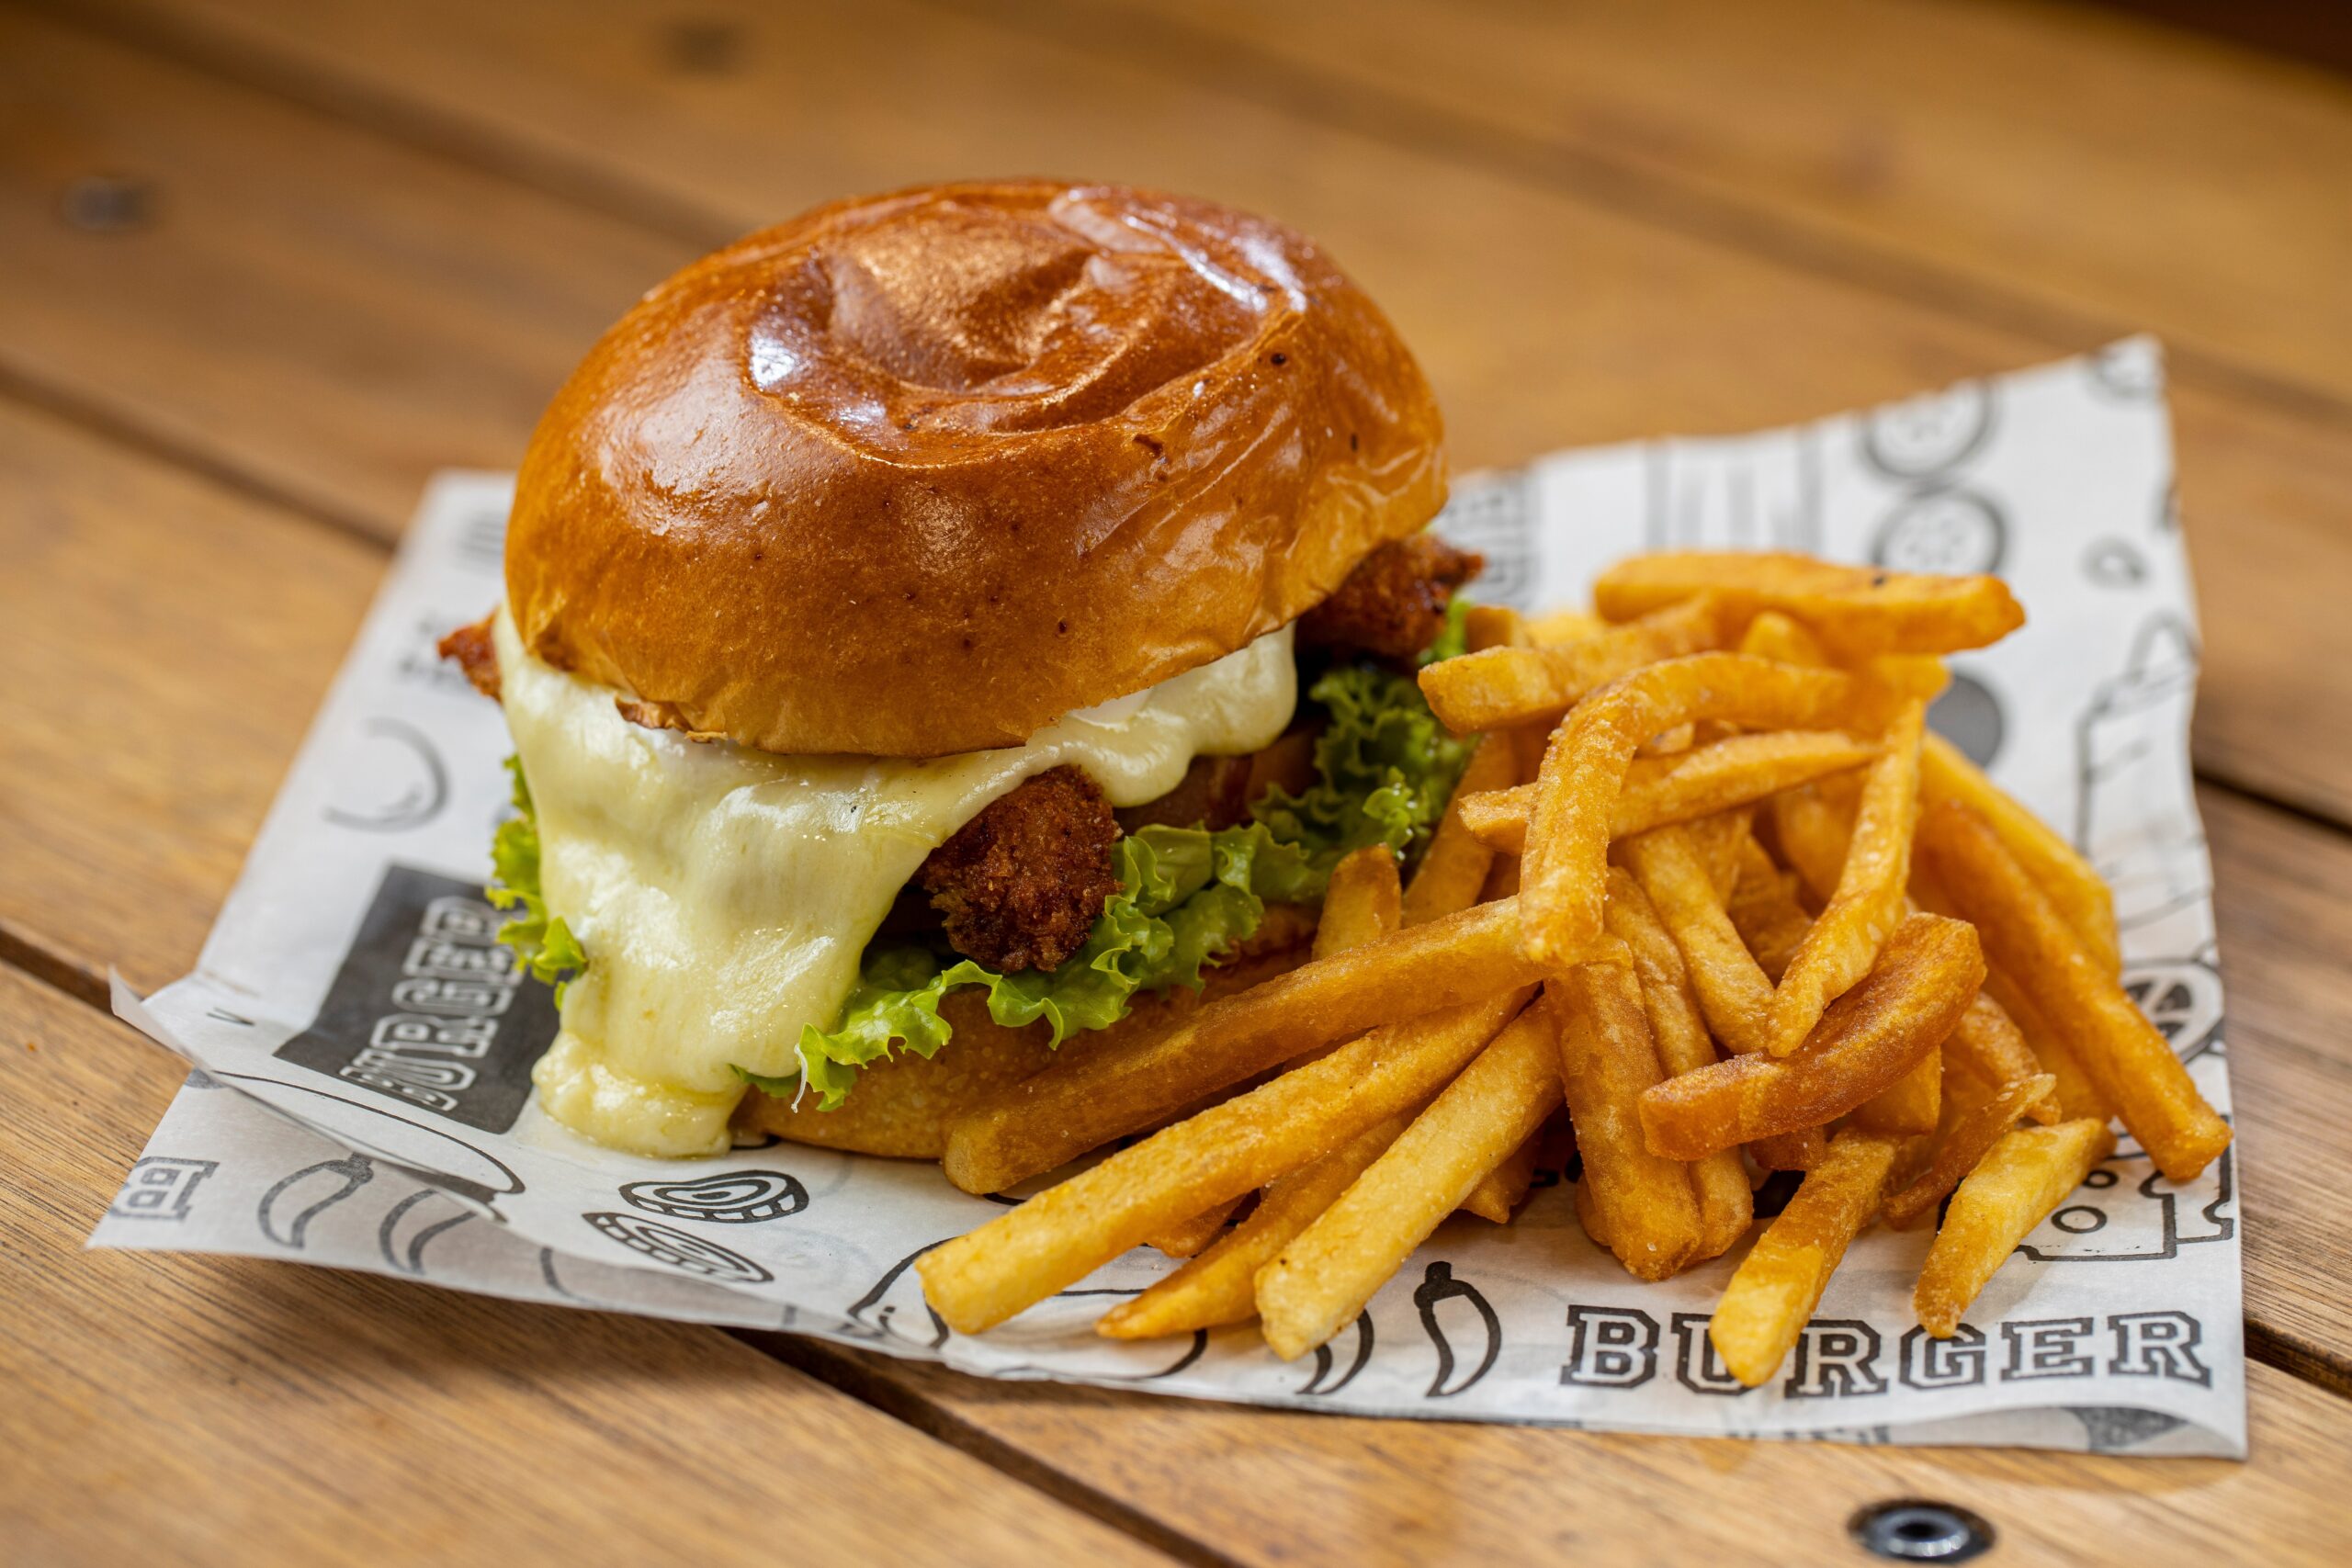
<point>1709,893</point>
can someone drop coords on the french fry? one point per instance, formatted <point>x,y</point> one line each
<point>2024,1175</point>
<point>1220,1284</point>
<point>1964,1143</point>
<point>1987,1043</point>
<point>1608,1059</point>
<point>1870,1036</point>
<point>1087,1097</point>
<point>1803,1149</point>
<point>1455,866</point>
<point>1775,635</point>
<point>1565,863</point>
<point>1556,628</point>
<point>1872,891</point>
<point>1732,992</point>
<point>2077,1096</point>
<point>1186,1237</point>
<point>1853,610</point>
<point>1779,1282</point>
<point>1503,1189</point>
<point>1679,1030</point>
<point>1765,912</point>
<point>1909,1106</point>
<point>1813,833</point>
<point>1718,840</point>
<point>1324,1277</point>
<point>1065,1233</point>
<point>1501,687</point>
<point>2082,897</point>
<point>1684,787</point>
<point>1361,903</point>
<point>2131,1063</point>
<point>1493,625</point>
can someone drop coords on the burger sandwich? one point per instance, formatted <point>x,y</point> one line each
<point>948,628</point>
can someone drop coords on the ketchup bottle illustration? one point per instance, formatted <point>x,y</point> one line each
<point>2135,816</point>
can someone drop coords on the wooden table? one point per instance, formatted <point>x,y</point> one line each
<point>265,265</point>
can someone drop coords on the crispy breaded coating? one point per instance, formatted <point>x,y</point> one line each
<point>1020,885</point>
<point>470,647</point>
<point>1392,605</point>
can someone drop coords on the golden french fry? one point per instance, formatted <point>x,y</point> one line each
<point>1607,1060</point>
<point>1719,840</point>
<point>1503,1189</point>
<point>1493,625</point>
<point>1364,901</point>
<point>1090,1096</point>
<point>1679,1030</point>
<point>1568,831</point>
<point>1803,1149</point>
<point>1318,1283</point>
<point>2082,897</point>
<point>1775,634</point>
<point>1813,833</point>
<point>1870,1037</point>
<point>1910,1105</point>
<point>1854,610</point>
<point>1733,991</point>
<point>1779,1282</point>
<point>1764,910</point>
<point>1920,676</point>
<point>1555,628</point>
<point>1872,892</point>
<point>1501,687</point>
<point>2077,1097</point>
<point>1987,1043</point>
<point>1455,867</point>
<point>1964,1143</point>
<point>2131,1065</point>
<point>1186,1237</point>
<point>1220,1285</point>
<point>1065,1233</point>
<point>2024,1175</point>
<point>1589,1218</point>
<point>1684,787</point>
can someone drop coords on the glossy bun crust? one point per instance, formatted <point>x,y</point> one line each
<point>917,474</point>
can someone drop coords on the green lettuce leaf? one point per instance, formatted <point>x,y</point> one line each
<point>1384,767</point>
<point>1186,896</point>
<point>547,950</point>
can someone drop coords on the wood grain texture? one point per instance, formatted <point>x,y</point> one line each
<point>2025,161</point>
<point>327,315</point>
<point>1279,1487</point>
<point>190,1409</point>
<point>1544,316</point>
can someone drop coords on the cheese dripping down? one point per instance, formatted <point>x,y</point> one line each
<point>724,895</point>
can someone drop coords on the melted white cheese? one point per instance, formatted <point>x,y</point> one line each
<point>724,895</point>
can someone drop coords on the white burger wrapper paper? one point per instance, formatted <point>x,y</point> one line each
<point>362,1098</point>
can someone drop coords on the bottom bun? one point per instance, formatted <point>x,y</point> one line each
<point>902,1106</point>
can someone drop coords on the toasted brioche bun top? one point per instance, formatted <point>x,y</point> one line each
<point>917,474</point>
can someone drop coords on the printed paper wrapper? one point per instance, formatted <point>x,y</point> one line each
<point>363,1097</point>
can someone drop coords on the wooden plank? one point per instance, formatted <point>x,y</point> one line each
<point>187,1409</point>
<point>1342,1489</point>
<point>2048,162</point>
<point>1313,1486</point>
<point>327,315</point>
<point>1543,319</point>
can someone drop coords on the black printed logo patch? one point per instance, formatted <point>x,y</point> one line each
<point>429,1009</point>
